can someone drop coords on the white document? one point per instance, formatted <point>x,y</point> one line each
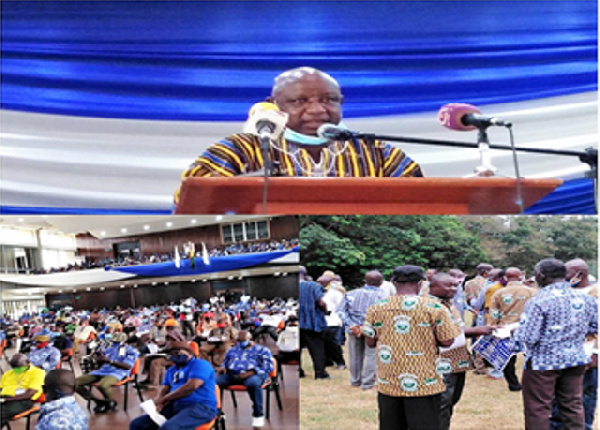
<point>458,342</point>
<point>504,331</point>
<point>150,408</point>
<point>153,348</point>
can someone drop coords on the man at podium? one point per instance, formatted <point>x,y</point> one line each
<point>309,98</point>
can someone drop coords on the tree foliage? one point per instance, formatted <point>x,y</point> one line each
<point>351,245</point>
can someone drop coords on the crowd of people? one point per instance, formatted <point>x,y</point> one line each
<point>407,338</point>
<point>183,349</point>
<point>138,258</point>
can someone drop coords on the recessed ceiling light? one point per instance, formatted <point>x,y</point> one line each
<point>285,273</point>
<point>122,286</point>
<point>88,289</point>
<point>60,291</point>
<point>123,230</point>
<point>230,278</point>
<point>102,233</point>
<point>44,216</point>
<point>21,220</point>
<point>101,288</point>
<point>219,217</point>
<point>194,221</point>
<point>74,290</point>
<point>276,274</point>
<point>154,283</point>
<point>134,285</point>
<point>169,224</point>
<point>193,280</point>
<point>146,227</point>
<point>166,283</point>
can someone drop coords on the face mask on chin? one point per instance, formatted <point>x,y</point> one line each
<point>179,360</point>
<point>304,139</point>
<point>20,369</point>
<point>243,343</point>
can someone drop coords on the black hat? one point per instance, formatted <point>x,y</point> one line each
<point>408,274</point>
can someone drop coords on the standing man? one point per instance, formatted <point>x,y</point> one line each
<point>444,287</point>
<point>506,306</point>
<point>61,410</point>
<point>333,296</point>
<point>249,364</point>
<point>578,276</point>
<point>312,323</point>
<point>474,286</point>
<point>352,311</point>
<point>407,331</point>
<point>553,327</point>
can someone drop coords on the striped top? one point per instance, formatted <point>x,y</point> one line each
<point>240,153</point>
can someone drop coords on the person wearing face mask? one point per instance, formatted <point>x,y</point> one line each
<point>43,355</point>
<point>187,395</point>
<point>310,98</point>
<point>116,362</point>
<point>20,387</point>
<point>219,340</point>
<point>61,411</point>
<point>506,306</point>
<point>249,364</point>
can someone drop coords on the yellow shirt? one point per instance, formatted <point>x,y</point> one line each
<point>32,378</point>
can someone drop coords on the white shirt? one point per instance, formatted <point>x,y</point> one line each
<point>332,298</point>
<point>388,288</point>
<point>289,339</point>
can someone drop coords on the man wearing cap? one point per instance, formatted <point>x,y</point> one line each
<point>117,361</point>
<point>249,364</point>
<point>220,339</point>
<point>158,363</point>
<point>352,310</point>
<point>21,386</point>
<point>187,395</point>
<point>407,330</point>
<point>61,411</point>
<point>43,355</point>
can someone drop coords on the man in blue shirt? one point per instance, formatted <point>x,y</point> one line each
<point>43,355</point>
<point>117,361</point>
<point>249,364</point>
<point>313,323</point>
<point>187,397</point>
<point>61,410</point>
<point>352,311</point>
<point>553,327</point>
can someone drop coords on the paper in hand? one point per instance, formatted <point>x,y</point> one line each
<point>150,408</point>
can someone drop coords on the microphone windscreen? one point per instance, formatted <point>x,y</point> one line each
<point>451,115</point>
<point>262,106</point>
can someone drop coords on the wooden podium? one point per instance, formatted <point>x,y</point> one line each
<point>368,196</point>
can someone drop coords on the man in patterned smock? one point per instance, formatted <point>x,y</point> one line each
<point>443,287</point>
<point>43,355</point>
<point>311,98</point>
<point>553,327</point>
<point>506,306</point>
<point>408,330</point>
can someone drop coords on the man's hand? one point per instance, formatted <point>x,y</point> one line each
<point>483,330</point>
<point>356,330</point>
<point>101,358</point>
<point>246,374</point>
<point>594,362</point>
<point>221,371</point>
<point>160,403</point>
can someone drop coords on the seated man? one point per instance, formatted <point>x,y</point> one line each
<point>117,361</point>
<point>249,364</point>
<point>187,396</point>
<point>83,333</point>
<point>157,363</point>
<point>61,341</point>
<point>61,411</point>
<point>20,387</point>
<point>43,355</point>
<point>311,98</point>
<point>219,341</point>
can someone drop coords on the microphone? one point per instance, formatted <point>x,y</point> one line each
<point>465,117</point>
<point>334,132</point>
<point>265,120</point>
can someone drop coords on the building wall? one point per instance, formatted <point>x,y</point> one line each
<point>165,241</point>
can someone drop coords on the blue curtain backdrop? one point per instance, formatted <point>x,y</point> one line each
<point>210,61</point>
<point>216,264</point>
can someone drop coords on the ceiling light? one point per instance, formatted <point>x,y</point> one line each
<point>123,230</point>
<point>60,291</point>
<point>146,227</point>
<point>101,288</point>
<point>102,233</point>
<point>88,289</point>
<point>194,221</point>
<point>219,217</point>
<point>21,220</point>
<point>122,286</point>
<point>230,278</point>
<point>44,216</point>
<point>166,283</point>
<point>193,280</point>
<point>134,285</point>
<point>276,274</point>
<point>169,224</point>
<point>154,283</point>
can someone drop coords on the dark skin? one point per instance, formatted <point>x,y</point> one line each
<point>242,336</point>
<point>409,289</point>
<point>61,380</point>
<point>101,358</point>
<point>444,287</point>
<point>164,396</point>
<point>310,102</point>
<point>374,279</point>
<point>20,360</point>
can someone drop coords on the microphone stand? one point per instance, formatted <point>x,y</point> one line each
<point>265,144</point>
<point>588,156</point>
